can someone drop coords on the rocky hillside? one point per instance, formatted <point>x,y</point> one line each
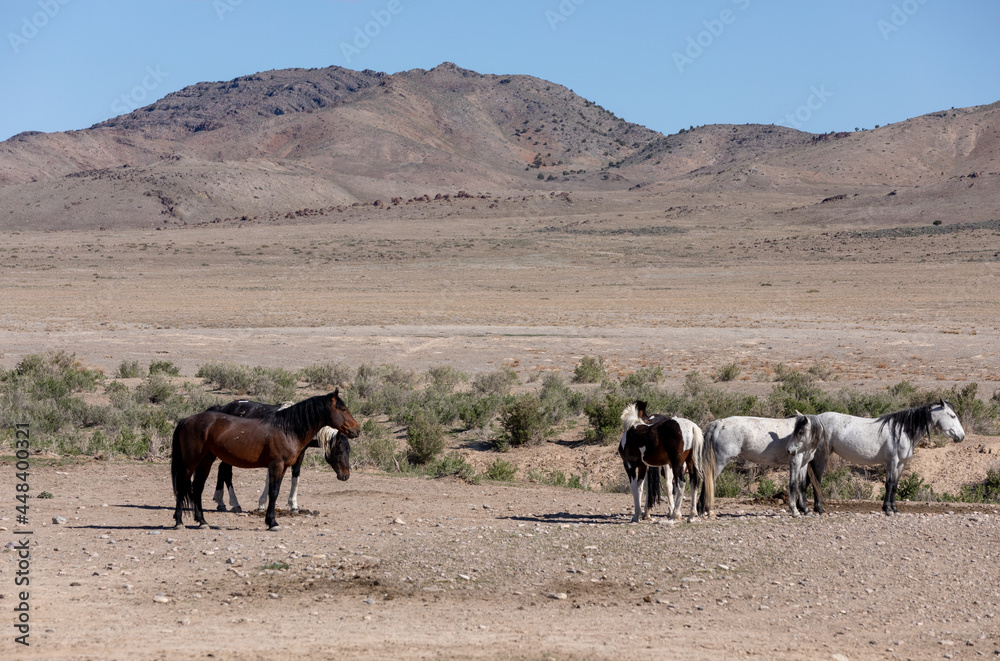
<point>274,142</point>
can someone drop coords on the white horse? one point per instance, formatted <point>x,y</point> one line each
<point>762,441</point>
<point>887,440</point>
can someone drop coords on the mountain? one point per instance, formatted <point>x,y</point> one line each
<point>275,142</point>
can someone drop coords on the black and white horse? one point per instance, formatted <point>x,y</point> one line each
<point>675,445</point>
<point>243,408</point>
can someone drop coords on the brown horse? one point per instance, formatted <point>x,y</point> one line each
<point>275,440</point>
<point>650,443</point>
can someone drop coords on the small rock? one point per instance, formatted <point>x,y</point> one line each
<point>161,598</point>
<point>558,595</point>
<point>58,520</point>
<point>273,595</point>
<point>399,522</point>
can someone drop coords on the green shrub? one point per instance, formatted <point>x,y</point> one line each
<point>497,382</point>
<point>605,417</point>
<point>590,370</point>
<point>444,378</point>
<point>642,377</point>
<point>375,447</point>
<point>129,369</point>
<point>452,464</point>
<point>154,389</point>
<point>522,421</point>
<point>558,401</point>
<point>766,489</point>
<point>910,486</point>
<point>728,372</point>
<point>731,483</point>
<point>424,439</point>
<point>327,376</point>
<point>163,367</point>
<point>478,412</point>
<point>986,492</point>
<point>269,385</point>
<point>501,471</point>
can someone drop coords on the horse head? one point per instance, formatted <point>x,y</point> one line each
<point>807,435</point>
<point>944,418</point>
<point>340,418</point>
<point>337,451</point>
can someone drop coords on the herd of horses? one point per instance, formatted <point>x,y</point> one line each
<point>655,446</point>
<point>247,434</point>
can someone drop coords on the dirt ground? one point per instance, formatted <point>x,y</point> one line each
<point>402,567</point>
<point>390,567</point>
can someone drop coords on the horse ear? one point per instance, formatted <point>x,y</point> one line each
<point>335,394</point>
<point>797,414</point>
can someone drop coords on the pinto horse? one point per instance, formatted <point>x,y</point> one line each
<point>657,442</point>
<point>275,441</point>
<point>244,408</point>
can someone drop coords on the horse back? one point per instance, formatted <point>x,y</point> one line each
<point>241,442</point>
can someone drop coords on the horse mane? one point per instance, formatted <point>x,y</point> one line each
<point>298,419</point>
<point>630,417</point>
<point>914,422</point>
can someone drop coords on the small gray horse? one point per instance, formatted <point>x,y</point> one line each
<point>887,440</point>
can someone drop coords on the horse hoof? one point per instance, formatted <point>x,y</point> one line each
<point>237,510</point>
<point>220,508</point>
<point>274,528</point>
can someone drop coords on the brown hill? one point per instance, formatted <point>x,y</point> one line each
<point>268,144</point>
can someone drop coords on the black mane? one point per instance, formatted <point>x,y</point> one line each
<point>914,422</point>
<point>298,419</point>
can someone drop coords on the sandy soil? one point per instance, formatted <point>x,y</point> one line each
<point>414,568</point>
<point>480,571</point>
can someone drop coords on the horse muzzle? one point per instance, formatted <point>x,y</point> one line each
<point>344,477</point>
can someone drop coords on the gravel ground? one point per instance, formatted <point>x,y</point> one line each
<point>419,568</point>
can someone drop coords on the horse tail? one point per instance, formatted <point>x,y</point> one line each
<point>706,502</point>
<point>178,471</point>
<point>653,482</point>
<point>814,482</point>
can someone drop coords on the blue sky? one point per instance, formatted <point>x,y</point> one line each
<point>818,66</point>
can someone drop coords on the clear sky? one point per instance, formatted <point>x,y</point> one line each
<point>667,64</point>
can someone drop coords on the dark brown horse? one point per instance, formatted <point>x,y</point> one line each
<point>243,408</point>
<point>275,440</point>
<point>652,443</point>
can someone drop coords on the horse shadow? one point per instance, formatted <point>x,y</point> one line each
<point>565,517</point>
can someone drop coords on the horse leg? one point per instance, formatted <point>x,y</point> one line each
<point>668,476</point>
<point>262,501</point>
<point>696,478</point>
<point>275,472</point>
<point>200,477</point>
<point>220,485</point>
<point>895,486</point>
<point>890,485</point>
<point>795,484</point>
<point>816,468</point>
<point>293,494</point>
<point>232,494</point>
<point>643,484</point>
<point>636,475</point>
